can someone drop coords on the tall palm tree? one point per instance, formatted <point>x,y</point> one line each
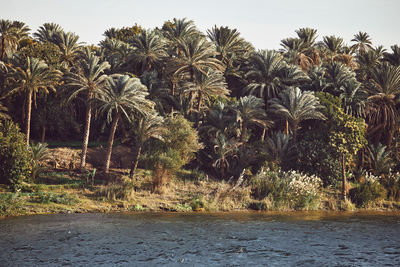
<point>33,75</point>
<point>362,41</point>
<point>47,32</point>
<point>382,115</point>
<point>268,73</point>
<point>228,43</point>
<point>333,46</point>
<point>147,126</point>
<point>179,29</point>
<point>206,86</point>
<point>149,50</point>
<point>263,73</point>
<point>11,32</point>
<point>296,106</point>
<point>117,53</point>
<point>394,57</point>
<point>69,46</point>
<point>197,55</point>
<point>307,35</point>
<point>279,148</point>
<point>367,61</point>
<point>120,97</point>
<point>354,98</point>
<point>89,79</point>
<point>250,110</point>
<point>337,75</point>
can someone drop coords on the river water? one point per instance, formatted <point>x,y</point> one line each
<point>242,239</point>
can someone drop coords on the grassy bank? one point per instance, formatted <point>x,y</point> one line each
<point>64,191</point>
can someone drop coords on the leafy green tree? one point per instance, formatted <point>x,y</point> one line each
<point>346,134</point>
<point>120,97</point>
<point>15,158</point>
<point>31,76</point>
<point>89,79</point>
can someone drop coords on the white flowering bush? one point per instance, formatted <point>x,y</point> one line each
<point>288,189</point>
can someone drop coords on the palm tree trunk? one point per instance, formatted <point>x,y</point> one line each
<point>43,136</point>
<point>243,133</point>
<point>294,133</point>
<point>135,161</point>
<point>3,49</point>
<point>263,134</point>
<point>286,127</point>
<point>344,182</point>
<point>111,141</point>
<point>86,132</point>
<point>28,117</point>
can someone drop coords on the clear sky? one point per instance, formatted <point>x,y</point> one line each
<point>263,23</point>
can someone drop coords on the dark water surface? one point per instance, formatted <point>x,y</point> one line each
<point>244,239</point>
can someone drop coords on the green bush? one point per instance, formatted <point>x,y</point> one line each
<point>15,157</point>
<point>9,202</point>
<point>392,184</point>
<point>367,192</point>
<point>286,190</point>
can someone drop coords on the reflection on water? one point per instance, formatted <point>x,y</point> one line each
<point>148,239</point>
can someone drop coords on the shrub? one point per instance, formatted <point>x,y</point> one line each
<point>287,189</point>
<point>46,198</point>
<point>39,154</point>
<point>392,184</point>
<point>9,202</point>
<point>15,157</point>
<point>370,190</point>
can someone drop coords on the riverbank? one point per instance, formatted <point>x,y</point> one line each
<point>64,191</point>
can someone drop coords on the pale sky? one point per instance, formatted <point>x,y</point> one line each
<point>263,23</point>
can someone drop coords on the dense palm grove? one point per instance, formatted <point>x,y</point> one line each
<point>321,108</point>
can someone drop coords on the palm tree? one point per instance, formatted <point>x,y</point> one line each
<point>333,46</point>
<point>268,73</point>
<point>354,98</point>
<point>3,112</point>
<point>278,149</point>
<point>120,97</point>
<point>224,148</point>
<point>367,61</point>
<point>48,32</point>
<point>89,79</point>
<point>394,57</point>
<point>250,110</point>
<point>362,41</point>
<point>69,46</point>
<point>11,32</point>
<point>307,35</point>
<point>206,86</point>
<point>33,75</point>
<point>228,43</point>
<point>147,126</point>
<point>381,112</point>
<point>378,159</point>
<point>197,55</point>
<point>296,106</point>
<point>149,50</point>
<point>179,29</point>
<point>117,53</point>
<point>337,75</point>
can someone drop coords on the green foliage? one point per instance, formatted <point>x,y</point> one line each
<point>15,157</point>
<point>287,190</point>
<point>316,158</point>
<point>39,153</point>
<point>9,202</point>
<point>367,192</point>
<point>181,137</point>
